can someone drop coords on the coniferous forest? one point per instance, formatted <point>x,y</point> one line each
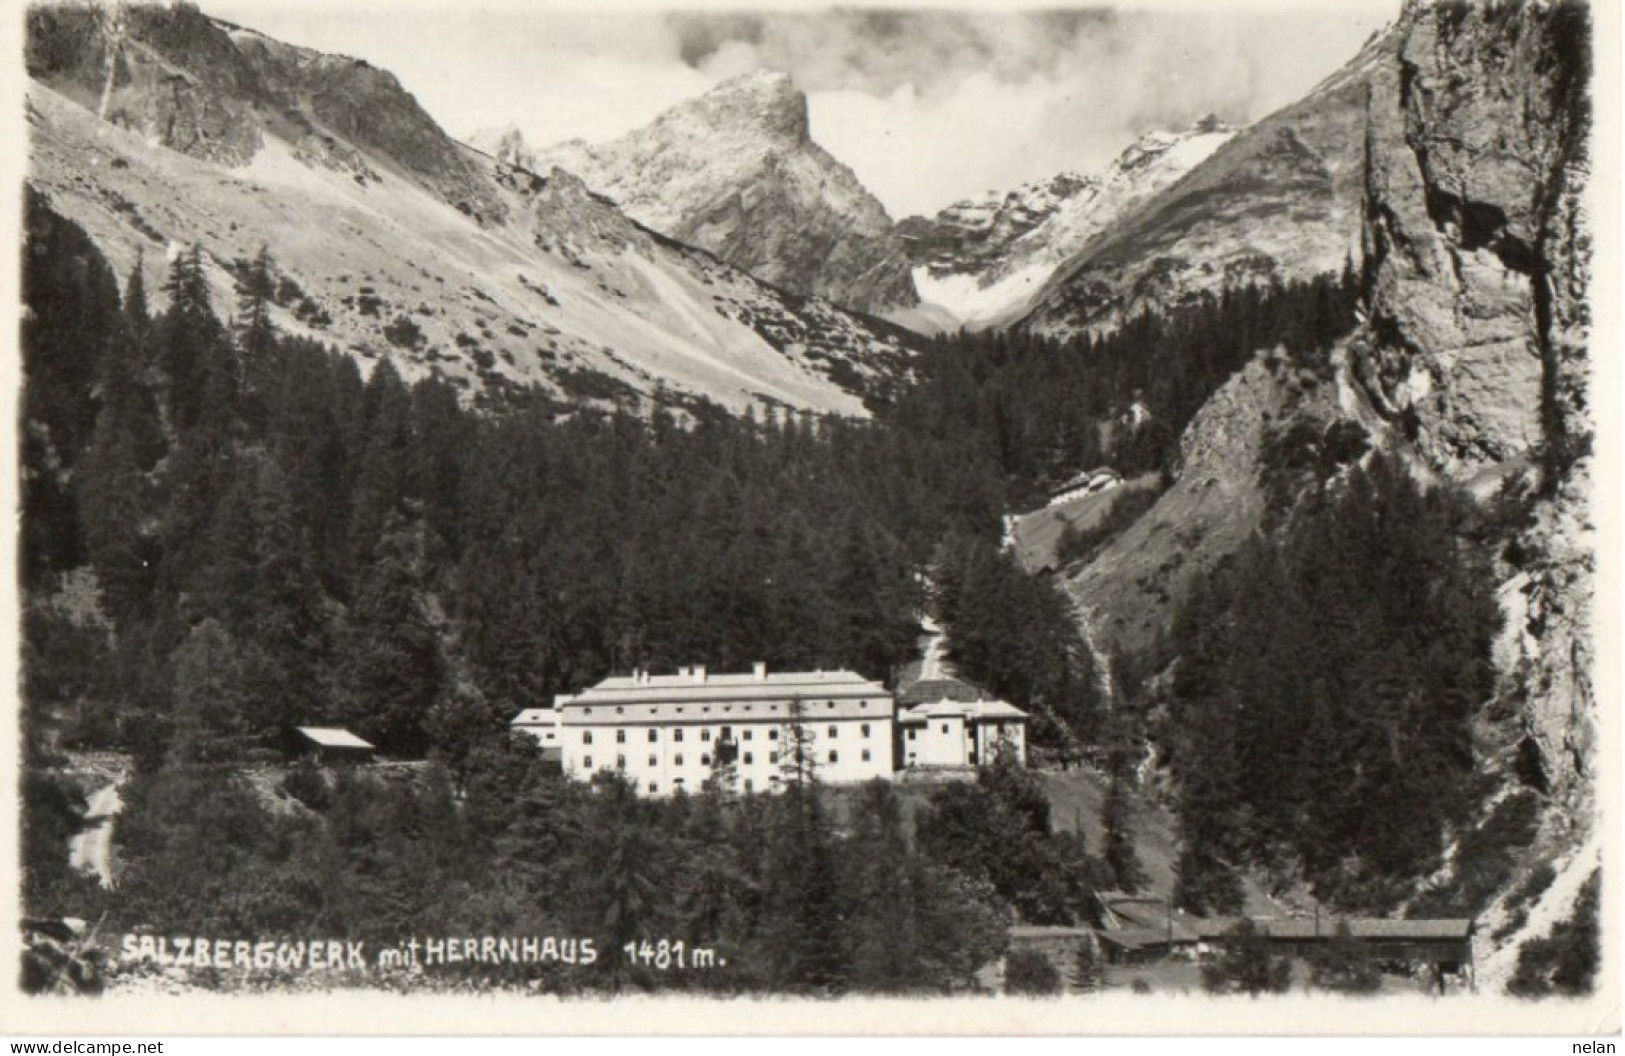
<point>228,531</point>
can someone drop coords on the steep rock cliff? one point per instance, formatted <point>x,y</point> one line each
<point>1477,268</point>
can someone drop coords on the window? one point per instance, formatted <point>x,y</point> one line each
<point>586,762</point>
<point>832,704</point>
<point>912,733</point>
<point>705,760</point>
<point>945,727</point>
<point>747,734</point>
<point>620,762</point>
<point>654,735</point>
<point>772,757</point>
<point>653,787</point>
<point>654,760</point>
<point>773,734</point>
<point>620,736</point>
<point>679,759</point>
<point>747,758</point>
<point>833,732</point>
<point>866,755</point>
<point>834,756</point>
<point>677,735</point>
<point>586,737</point>
<point>750,786</point>
<point>864,729</point>
<point>705,734</point>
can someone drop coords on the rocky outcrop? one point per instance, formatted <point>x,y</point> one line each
<point>1478,266</point>
<point>214,91</point>
<point>737,172</point>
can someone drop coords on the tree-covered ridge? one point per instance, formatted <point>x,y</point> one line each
<point>1042,410</point>
<point>275,540</point>
<point>1323,693</point>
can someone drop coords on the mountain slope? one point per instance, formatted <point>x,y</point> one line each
<point>393,239</point>
<point>1470,362</point>
<point>981,260</point>
<point>737,172</point>
<point>1278,200</point>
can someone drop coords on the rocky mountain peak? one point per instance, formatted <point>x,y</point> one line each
<point>762,100</point>
<point>736,172</point>
<point>506,144</point>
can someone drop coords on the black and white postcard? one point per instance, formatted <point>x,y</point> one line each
<point>1083,518</point>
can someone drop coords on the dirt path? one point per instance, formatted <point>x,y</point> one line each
<point>92,849</point>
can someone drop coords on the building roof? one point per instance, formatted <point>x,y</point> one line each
<point>695,684</point>
<point>926,690</point>
<point>1143,938</point>
<point>1086,478</point>
<point>536,717</point>
<point>1046,931</point>
<point>1370,929</point>
<point>971,711</point>
<point>332,737</point>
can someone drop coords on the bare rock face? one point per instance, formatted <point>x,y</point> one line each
<point>737,172</point>
<point>1478,264</point>
<point>213,91</point>
<point>1472,150</point>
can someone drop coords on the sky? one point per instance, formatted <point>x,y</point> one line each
<point>926,105</point>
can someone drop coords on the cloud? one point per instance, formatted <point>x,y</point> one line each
<point>922,102</point>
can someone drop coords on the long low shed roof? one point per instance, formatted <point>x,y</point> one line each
<point>332,737</point>
<point>1371,929</point>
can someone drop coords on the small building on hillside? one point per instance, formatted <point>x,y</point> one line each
<point>962,733</point>
<point>1092,482</point>
<point>328,745</point>
<point>542,726</point>
<point>944,721</point>
<point>1138,929</point>
<point>1442,945</point>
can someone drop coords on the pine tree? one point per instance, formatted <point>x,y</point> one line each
<point>211,723</point>
<point>395,671</point>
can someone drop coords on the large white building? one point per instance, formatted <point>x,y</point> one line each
<point>666,732</point>
<point>669,732</point>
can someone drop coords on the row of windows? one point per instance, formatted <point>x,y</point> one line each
<point>970,731</point>
<point>705,734</point>
<point>750,786</point>
<point>705,709</point>
<point>746,758</point>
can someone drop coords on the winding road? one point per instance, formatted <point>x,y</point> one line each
<point>92,849</point>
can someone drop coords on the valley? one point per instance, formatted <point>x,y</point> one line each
<point>1253,469</point>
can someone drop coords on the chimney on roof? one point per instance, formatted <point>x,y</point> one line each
<point>759,669</point>
<point>699,674</point>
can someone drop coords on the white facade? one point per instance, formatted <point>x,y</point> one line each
<point>962,733</point>
<point>666,732</point>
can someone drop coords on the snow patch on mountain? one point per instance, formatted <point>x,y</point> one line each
<point>983,260</point>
